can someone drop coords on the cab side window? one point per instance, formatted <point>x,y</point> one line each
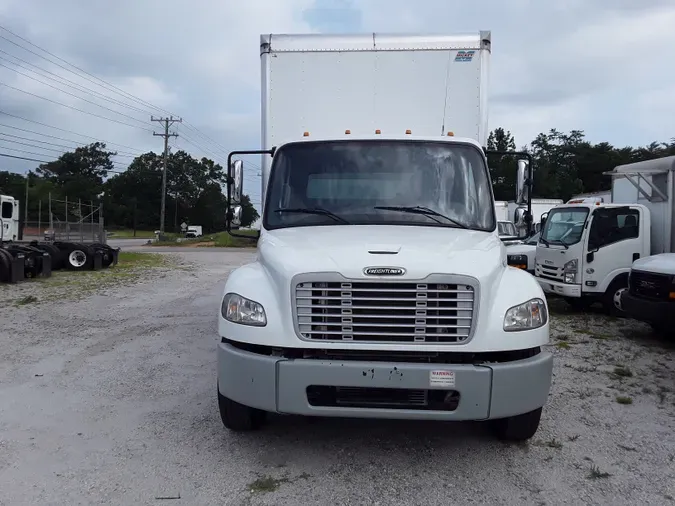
<point>7,210</point>
<point>613,225</point>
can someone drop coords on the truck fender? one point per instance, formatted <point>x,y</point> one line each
<point>255,283</point>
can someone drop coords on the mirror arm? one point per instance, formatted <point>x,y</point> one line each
<point>230,180</point>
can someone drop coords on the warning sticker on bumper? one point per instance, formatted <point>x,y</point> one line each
<point>442,378</point>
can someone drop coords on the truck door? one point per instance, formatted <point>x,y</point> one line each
<point>614,242</point>
<point>6,222</point>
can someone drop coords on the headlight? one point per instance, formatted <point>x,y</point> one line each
<point>238,309</point>
<point>570,271</point>
<point>519,261</point>
<point>530,315</point>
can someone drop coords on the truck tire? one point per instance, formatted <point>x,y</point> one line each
<point>106,253</point>
<point>611,300</point>
<point>54,252</point>
<point>519,427</point>
<point>78,257</point>
<point>662,329</point>
<point>5,266</point>
<point>238,417</point>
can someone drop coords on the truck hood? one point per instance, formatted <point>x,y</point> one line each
<point>663,263</point>
<point>349,249</point>
<point>520,249</point>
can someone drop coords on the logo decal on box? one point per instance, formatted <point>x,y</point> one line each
<point>464,55</point>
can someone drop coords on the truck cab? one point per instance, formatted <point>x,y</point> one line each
<point>9,219</point>
<point>381,287</point>
<point>586,249</point>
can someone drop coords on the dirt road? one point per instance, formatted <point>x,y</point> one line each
<point>111,400</point>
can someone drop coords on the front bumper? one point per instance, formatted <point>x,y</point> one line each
<point>656,311</point>
<point>559,288</point>
<point>485,391</point>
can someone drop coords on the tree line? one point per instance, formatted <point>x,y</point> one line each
<point>565,164</point>
<point>131,198</point>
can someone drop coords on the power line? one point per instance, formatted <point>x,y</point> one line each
<point>50,144</point>
<point>72,84</point>
<point>23,158</point>
<point>57,128</point>
<point>73,95</point>
<point>73,108</point>
<point>110,86</point>
<point>101,83</point>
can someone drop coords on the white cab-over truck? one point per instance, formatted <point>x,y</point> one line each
<point>380,288</point>
<point>588,245</point>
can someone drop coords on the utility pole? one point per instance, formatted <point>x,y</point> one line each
<point>167,123</point>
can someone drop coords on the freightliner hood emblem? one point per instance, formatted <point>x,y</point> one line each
<point>384,271</point>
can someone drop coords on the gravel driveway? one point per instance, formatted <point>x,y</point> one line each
<point>111,400</point>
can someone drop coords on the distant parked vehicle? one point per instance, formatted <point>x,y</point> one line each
<point>193,231</point>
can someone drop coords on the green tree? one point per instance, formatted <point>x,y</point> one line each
<point>79,174</point>
<point>249,214</point>
<point>502,168</point>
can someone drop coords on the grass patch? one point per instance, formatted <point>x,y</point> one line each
<point>554,443</point>
<point>217,240</point>
<point>266,484</point>
<point>624,400</point>
<point>129,234</point>
<point>597,474</point>
<point>75,285</point>
<point>28,299</point>
<point>622,372</point>
<point>563,345</point>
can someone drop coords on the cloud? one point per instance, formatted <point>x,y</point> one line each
<point>592,65</point>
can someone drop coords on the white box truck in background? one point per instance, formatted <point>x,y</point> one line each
<point>588,245</point>
<point>380,287</point>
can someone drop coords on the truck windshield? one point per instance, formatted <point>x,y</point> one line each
<point>564,225</point>
<point>434,184</point>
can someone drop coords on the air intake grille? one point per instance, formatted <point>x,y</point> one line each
<point>384,312</point>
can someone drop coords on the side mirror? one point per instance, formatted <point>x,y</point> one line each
<point>236,216</point>
<point>236,181</point>
<point>543,219</point>
<point>522,188</point>
<point>519,217</point>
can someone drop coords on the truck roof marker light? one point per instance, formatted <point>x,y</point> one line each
<point>306,134</point>
<point>451,134</point>
<point>378,131</point>
<point>347,132</point>
<point>408,132</point>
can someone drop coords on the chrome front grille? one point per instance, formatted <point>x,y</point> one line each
<point>385,311</point>
<point>548,272</point>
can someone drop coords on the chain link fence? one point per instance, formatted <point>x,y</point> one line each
<point>64,220</point>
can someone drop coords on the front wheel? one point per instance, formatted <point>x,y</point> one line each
<point>519,427</point>
<point>612,297</point>
<point>238,417</point>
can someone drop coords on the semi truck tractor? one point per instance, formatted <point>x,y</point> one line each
<point>380,288</point>
<point>588,245</point>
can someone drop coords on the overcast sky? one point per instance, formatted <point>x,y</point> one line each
<point>602,66</point>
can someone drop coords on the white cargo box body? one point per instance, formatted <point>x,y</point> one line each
<point>327,84</point>
<point>652,184</point>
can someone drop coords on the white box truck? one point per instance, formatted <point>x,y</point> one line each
<point>588,245</point>
<point>380,287</point>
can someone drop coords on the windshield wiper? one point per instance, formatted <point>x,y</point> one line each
<point>560,241</point>
<point>548,244</point>
<point>422,210</point>
<point>313,210</point>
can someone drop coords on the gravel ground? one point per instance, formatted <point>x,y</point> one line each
<point>111,400</point>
